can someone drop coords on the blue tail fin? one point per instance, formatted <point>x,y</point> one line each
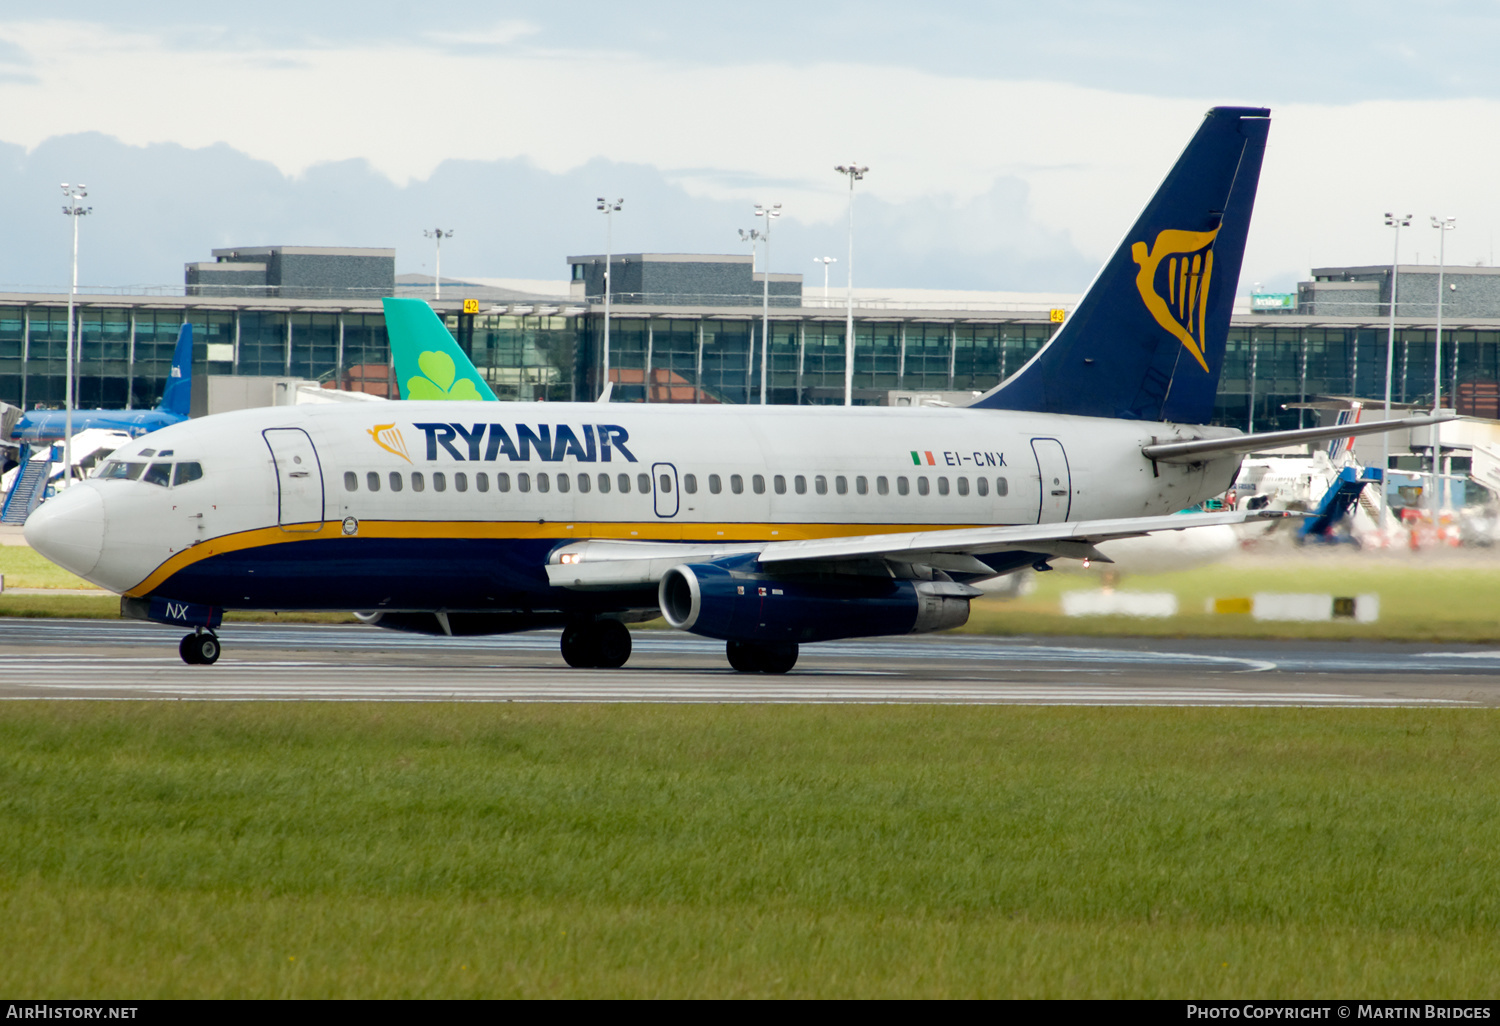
<point>1147,339</point>
<point>177,397</point>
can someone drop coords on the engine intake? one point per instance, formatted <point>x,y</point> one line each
<point>711,600</point>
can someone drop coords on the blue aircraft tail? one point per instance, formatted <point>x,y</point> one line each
<point>1147,340</point>
<point>177,397</point>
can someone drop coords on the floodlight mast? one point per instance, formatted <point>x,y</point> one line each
<point>1396,222</point>
<point>437,277</point>
<point>1444,225</point>
<point>825,261</point>
<point>74,210</point>
<point>855,173</point>
<point>609,210</point>
<point>770,214</point>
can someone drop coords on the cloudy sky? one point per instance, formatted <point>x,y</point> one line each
<point>1010,144</point>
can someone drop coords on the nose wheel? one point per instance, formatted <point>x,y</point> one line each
<point>200,648</point>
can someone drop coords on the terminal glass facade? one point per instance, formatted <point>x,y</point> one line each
<point>125,351</point>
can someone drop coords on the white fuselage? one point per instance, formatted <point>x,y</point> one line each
<point>364,506</point>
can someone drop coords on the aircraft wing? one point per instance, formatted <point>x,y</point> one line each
<point>1197,450</point>
<point>612,565</point>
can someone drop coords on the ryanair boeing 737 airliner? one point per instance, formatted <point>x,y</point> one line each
<point>766,527</point>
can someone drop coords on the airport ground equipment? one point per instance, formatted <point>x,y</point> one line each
<point>1336,505</point>
<point>30,485</point>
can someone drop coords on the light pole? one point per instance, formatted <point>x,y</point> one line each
<point>855,173</point>
<point>770,214</point>
<point>753,237</point>
<point>609,209</point>
<point>71,207</point>
<point>437,277</point>
<point>1396,222</point>
<point>1444,225</point>
<point>825,261</point>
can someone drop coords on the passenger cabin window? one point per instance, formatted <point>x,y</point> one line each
<point>523,482</point>
<point>418,483</point>
<point>982,485</point>
<point>800,483</point>
<point>1001,488</point>
<point>563,481</point>
<point>665,481</point>
<point>820,485</point>
<point>903,487</point>
<point>759,484</point>
<point>395,480</point>
<point>882,486</point>
<point>372,481</point>
<point>780,483</point>
<point>862,485</point>
<point>643,483</point>
<point>543,484</point>
<point>942,486</point>
<point>439,481</point>
<point>923,486</point>
<point>841,485</point>
<point>460,482</point>
<point>690,483</point>
<point>715,485</point>
<point>963,486</point>
<point>603,484</point>
<point>192,471</point>
<point>624,482</point>
<point>736,484</point>
<point>502,482</point>
<point>158,474</point>
<point>351,481</point>
<point>482,482</point>
<point>583,482</point>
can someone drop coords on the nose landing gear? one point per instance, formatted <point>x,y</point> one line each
<point>761,657</point>
<point>201,648</point>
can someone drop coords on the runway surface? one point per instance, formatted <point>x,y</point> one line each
<point>104,659</point>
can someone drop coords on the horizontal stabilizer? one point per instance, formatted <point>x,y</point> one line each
<point>1200,449</point>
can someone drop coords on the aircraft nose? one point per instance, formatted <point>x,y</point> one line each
<point>69,529</point>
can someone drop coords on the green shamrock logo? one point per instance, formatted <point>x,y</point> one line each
<point>437,381</point>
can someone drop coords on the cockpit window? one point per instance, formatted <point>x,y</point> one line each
<point>159,474</point>
<point>187,472</point>
<point>122,470</point>
<point>146,452</point>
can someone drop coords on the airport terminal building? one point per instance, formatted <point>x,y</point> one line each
<point>687,328</point>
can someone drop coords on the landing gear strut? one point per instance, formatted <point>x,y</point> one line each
<point>761,656</point>
<point>597,644</point>
<point>201,648</point>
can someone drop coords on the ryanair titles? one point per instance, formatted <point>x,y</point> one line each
<point>589,443</point>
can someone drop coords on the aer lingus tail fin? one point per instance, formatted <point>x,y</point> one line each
<point>429,363</point>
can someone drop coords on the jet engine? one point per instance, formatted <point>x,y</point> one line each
<point>716,602</point>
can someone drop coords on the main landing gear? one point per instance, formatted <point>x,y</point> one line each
<point>201,648</point>
<point>596,645</point>
<point>761,656</point>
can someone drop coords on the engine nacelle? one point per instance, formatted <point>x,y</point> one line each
<point>708,599</point>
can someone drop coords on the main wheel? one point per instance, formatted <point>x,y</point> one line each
<point>188,649</point>
<point>577,645</point>
<point>611,644</point>
<point>778,657</point>
<point>744,656</point>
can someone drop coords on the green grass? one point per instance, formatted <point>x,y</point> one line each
<point>1442,601</point>
<point>208,849</point>
<point>24,567</point>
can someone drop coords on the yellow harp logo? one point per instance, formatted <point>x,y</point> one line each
<point>388,437</point>
<point>1188,258</point>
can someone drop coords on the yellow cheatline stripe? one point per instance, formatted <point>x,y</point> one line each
<point>517,530</point>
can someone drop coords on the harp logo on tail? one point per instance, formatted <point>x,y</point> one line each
<point>1183,265</point>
